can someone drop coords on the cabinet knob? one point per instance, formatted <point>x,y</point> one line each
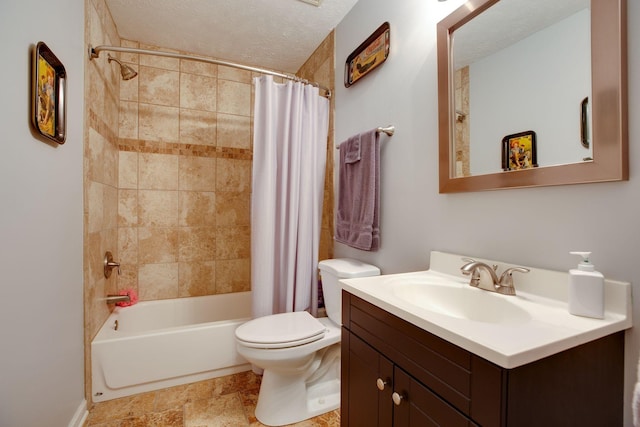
<point>381,383</point>
<point>397,398</point>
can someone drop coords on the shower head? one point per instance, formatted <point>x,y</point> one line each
<point>127,72</point>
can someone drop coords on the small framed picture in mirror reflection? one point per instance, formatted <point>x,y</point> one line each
<point>519,151</point>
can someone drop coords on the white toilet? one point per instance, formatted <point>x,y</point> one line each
<point>300,354</point>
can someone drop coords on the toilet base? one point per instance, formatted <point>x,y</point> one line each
<point>287,399</point>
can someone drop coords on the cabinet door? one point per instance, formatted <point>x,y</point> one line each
<point>369,388</point>
<point>417,406</point>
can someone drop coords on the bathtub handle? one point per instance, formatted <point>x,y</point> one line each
<point>110,264</point>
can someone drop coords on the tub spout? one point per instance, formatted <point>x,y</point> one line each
<point>113,299</point>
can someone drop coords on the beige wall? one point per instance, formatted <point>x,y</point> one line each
<point>168,174</point>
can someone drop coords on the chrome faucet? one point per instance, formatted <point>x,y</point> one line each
<point>503,285</point>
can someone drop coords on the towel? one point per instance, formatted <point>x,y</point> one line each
<point>357,222</point>
<point>352,150</point>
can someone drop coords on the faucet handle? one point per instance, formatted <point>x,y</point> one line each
<point>110,264</point>
<point>507,277</point>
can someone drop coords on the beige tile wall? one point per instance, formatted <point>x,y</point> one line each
<point>185,175</point>
<point>184,178</point>
<point>462,122</point>
<point>102,82</point>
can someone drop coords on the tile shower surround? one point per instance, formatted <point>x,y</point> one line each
<point>184,180</point>
<point>167,166</point>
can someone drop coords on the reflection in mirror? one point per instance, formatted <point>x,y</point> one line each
<point>521,66</point>
<point>552,70</point>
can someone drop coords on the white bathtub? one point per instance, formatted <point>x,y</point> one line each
<point>165,343</point>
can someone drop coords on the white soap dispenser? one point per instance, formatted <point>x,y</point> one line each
<point>586,289</point>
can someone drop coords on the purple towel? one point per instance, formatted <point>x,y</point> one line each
<point>357,222</point>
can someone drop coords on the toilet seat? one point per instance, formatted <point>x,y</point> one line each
<point>281,330</point>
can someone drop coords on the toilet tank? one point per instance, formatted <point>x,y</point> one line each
<point>331,271</point>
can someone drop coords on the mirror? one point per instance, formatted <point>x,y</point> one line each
<point>522,66</point>
<point>479,133</point>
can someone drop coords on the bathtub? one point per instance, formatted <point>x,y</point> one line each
<point>158,344</point>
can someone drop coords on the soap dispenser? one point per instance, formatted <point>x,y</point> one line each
<point>586,289</point>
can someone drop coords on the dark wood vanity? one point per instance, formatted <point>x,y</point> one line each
<point>397,374</point>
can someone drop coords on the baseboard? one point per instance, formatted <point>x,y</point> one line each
<point>80,416</point>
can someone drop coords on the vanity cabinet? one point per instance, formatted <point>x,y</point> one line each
<point>381,393</point>
<point>437,383</point>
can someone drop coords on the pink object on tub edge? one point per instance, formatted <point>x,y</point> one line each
<point>133,297</point>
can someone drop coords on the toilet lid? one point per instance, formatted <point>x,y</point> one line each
<point>280,330</point>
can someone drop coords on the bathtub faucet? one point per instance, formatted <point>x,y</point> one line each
<point>113,299</point>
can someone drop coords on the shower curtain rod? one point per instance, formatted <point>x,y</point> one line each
<point>94,52</point>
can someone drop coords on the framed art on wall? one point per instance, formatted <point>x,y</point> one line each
<point>48,86</point>
<point>369,55</point>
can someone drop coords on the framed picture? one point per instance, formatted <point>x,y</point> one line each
<point>519,151</point>
<point>48,83</point>
<point>369,55</point>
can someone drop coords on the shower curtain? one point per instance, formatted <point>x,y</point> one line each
<point>289,157</point>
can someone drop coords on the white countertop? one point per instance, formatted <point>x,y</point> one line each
<point>548,329</point>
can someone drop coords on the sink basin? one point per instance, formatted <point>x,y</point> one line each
<point>509,331</point>
<point>461,301</point>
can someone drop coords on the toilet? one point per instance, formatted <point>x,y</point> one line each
<point>300,354</point>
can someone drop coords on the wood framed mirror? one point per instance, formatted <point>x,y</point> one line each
<point>608,133</point>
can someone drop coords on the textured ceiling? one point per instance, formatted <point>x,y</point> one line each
<point>274,34</point>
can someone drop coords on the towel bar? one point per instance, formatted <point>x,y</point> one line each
<point>389,130</point>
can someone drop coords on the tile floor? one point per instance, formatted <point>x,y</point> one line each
<point>220,402</point>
